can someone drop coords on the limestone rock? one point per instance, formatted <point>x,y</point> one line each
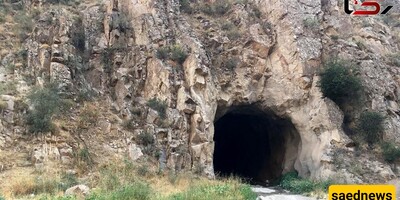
<point>272,66</point>
<point>78,190</point>
<point>135,152</point>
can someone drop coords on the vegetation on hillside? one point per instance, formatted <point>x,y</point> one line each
<point>45,103</point>
<point>391,153</point>
<point>339,82</point>
<point>370,125</point>
<point>159,106</point>
<point>175,53</point>
<point>292,182</point>
<point>121,181</point>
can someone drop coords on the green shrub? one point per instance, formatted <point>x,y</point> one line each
<point>128,124</point>
<point>233,34</point>
<point>391,152</point>
<point>175,53</point>
<point>218,8</point>
<point>159,106</point>
<point>178,54</point>
<point>2,20</point>
<point>222,6</point>
<point>292,182</point>
<point>311,23</point>
<point>231,64</point>
<point>8,88</point>
<point>3,105</point>
<point>227,25</point>
<point>107,56</point>
<point>256,12</point>
<point>361,45</point>
<point>46,102</point>
<point>24,25</point>
<point>65,2</point>
<point>146,139</point>
<point>1,197</point>
<point>67,181</point>
<point>334,37</point>
<point>370,125</point>
<point>78,35</point>
<point>247,193</point>
<point>185,6</point>
<point>85,94</point>
<point>110,180</point>
<point>143,170</point>
<point>162,53</point>
<point>123,22</point>
<point>45,185</point>
<point>84,156</point>
<point>339,83</point>
<point>394,59</point>
<point>88,117</point>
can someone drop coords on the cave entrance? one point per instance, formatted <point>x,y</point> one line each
<point>252,144</point>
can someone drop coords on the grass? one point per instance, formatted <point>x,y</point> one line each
<point>227,189</point>
<point>121,181</point>
<point>137,190</point>
<point>88,116</point>
<point>24,25</point>
<point>37,185</point>
<point>8,88</point>
<point>292,182</point>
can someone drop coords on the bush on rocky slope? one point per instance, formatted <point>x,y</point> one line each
<point>391,152</point>
<point>45,102</point>
<point>339,82</point>
<point>370,125</point>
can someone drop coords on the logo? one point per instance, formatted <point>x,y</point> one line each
<point>366,8</point>
<point>362,192</point>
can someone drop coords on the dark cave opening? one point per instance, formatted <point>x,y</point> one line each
<point>254,145</point>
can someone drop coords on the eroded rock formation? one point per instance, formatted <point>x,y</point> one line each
<point>271,65</point>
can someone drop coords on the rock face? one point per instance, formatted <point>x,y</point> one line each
<point>78,190</point>
<point>271,66</point>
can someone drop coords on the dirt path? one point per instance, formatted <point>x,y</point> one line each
<point>276,194</point>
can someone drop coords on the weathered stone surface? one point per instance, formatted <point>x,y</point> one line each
<point>78,190</point>
<point>275,64</point>
<point>135,152</point>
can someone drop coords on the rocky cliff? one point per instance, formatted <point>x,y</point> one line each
<point>168,71</point>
